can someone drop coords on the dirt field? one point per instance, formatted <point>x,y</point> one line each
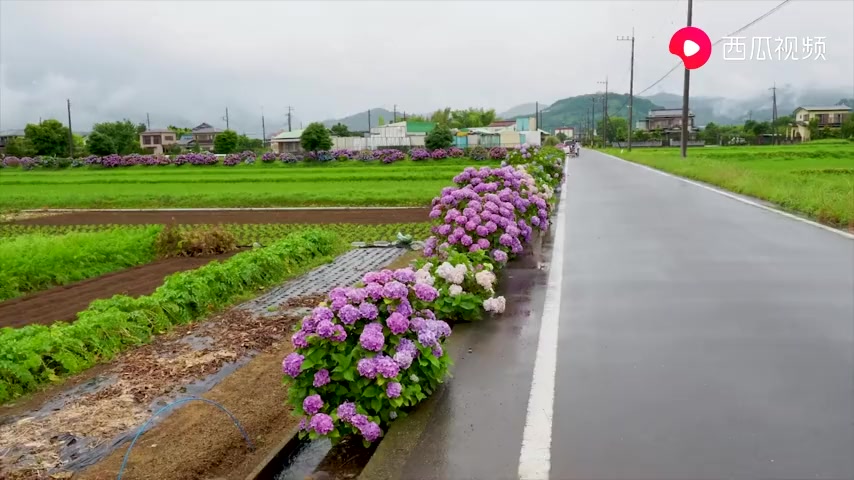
<point>63,303</point>
<point>368,216</point>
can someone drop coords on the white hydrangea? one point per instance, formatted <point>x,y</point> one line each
<point>485,279</point>
<point>453,274</point>
<point>495,304</point>
<point>455,290</point>
<point>423,275</point>
<point>548,192</point>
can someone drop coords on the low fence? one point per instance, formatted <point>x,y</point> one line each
<point>651,143</point>
<point>376,142</point>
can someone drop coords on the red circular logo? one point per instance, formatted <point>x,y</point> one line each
<point>692,45</point>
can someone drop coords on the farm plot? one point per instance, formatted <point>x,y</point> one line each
<point>405,183</point>
<point>815,179</point>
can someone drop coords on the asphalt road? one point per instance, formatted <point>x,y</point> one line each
<point>699,338</point>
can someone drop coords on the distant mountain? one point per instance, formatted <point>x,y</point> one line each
<point>358,122</point>
<point>722,110</point>
<point>574,111</point>
<point>521,110</point>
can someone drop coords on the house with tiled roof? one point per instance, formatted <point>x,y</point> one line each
<point>830,117</point>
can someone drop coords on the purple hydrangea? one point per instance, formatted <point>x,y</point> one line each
<point>325,328</point>
<point>292,364</point>
<point>321,378</point>
<point>403,359</point>
<point>321,423</point>
<point>425,293</point>
<point>369,311</point>
<point>349,314</point>
<point>300,339</point>
<point>339,334</point>
<point>372,337</point>
<point>393,390</point>
<point>346,411</point>
<point>367,368</point>
<point>427,338</point>
<point>312,404</point>
<point>499,256</point>
<point>322,313</point>
<point>386,366</point>
<point>407,345</point>
<point>374,290</point>
<point>371,431</point>
<point>356,295</point>
<point>437,351</point>
<point>404,308</point>
<point>397,323</point>
<point>405,275</point>
<point>395,290</point>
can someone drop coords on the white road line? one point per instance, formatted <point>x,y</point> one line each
<point>535,456</point>
<point>736,197</point>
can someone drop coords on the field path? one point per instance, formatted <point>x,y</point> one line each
<point>365,216</point>
<point>685,335</point>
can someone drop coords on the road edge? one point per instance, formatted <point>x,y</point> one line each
<point>733,196</point>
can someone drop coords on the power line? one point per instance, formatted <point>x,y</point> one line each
<point>755,21</point>
<point>763,16</point>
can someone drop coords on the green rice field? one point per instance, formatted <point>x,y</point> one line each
<point>405,183</point>
<point>815,179</point>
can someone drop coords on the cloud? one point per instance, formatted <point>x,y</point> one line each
<point>186,62</point>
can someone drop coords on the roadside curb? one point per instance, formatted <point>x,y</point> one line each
<point>403,436</point>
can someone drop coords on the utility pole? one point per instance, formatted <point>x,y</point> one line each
<point>685,90</point>
<point>537,113</point>
<point>593,117</point>
<point>289,118</point>
<point>263,130</point>
<point>226,118</point>
<point>604,113</point>
<point>70,135</point>
<point>148,121</point>
<point>369,121</point>
<point>774,112</point>
<point>395,114</point>
<point>631,83</point>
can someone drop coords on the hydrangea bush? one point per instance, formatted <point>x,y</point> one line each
<point>456,152</point>
<point>478,152</point>
<point>365,355</point>
<point>417,154</point>
<point>466,284</point>
<point>371,352</point>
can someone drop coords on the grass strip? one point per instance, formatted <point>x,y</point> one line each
<point>31,263</point>
<point>36,354</point>
<point>817,181</point>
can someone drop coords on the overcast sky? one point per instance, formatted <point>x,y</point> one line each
<point>186,61</point>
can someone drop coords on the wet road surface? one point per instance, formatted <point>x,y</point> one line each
<point>699,338</point>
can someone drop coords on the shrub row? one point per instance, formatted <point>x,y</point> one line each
<point>36,354</point>
<point>388,155</point>
<point>370,352</point>
<point>30,263</point>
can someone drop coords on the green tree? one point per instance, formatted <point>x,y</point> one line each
<point>813,128</point>
<point>226,142</point>
<point>179,131</point>
<point>551,141</point>
<point>618,129</point>
<point>561,136</point>
<point>711,134</point>
<point>20,147</point>
<point>439,137</point>
<point>316,137</point>
<point>380,120</point>
<point>340,130</point>
<point>49,137</point>
<point>847,130</point>
<point>441,117</point>
<point>124,135</point>
<point>100,144</point>
<point>80,147</point>
<point>640,136</point>
<point>417,118</point>
<point>246,143</point>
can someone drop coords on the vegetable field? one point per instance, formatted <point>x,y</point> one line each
<point>815,179</point>
<point>404,183</point>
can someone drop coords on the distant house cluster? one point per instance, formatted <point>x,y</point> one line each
<point>157,140</point>
<point>502,133</point>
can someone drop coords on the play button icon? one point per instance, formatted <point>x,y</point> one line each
<point>689,48</point>
<point>692,45</point>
